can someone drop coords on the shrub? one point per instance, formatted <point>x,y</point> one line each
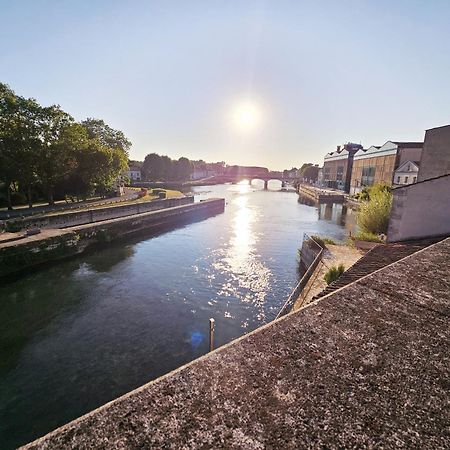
<point>334,273</point>
<point>323,241</point>
<point>368,237</point>
<point>373,214</point>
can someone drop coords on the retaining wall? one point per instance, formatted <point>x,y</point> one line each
<point>33,251</point>
<point>70,219</point>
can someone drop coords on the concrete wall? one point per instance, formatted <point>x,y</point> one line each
<point>409,154</point>
<point>420,210</point>
<point>436,153</point>
<point>36,250</point>
<point>71,219</point>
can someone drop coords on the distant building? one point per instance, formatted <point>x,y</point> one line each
<point>134,173</point>
<point>206,170</point>
<point>337,167</point>
<point>406,173</point>
<point>246,171</point>
<point>378,164</point>
<point>319,182</point>
<point>292,174</point>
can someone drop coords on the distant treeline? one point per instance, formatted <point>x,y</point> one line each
<point>44,152</point>
<point>163,168</point>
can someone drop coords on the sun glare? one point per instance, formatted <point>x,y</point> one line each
<point>246,116</point>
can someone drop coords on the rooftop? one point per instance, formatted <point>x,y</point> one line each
<point>365,366</point>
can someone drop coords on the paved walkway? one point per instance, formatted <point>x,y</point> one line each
<point>332,256</point>
<point>61,205</point>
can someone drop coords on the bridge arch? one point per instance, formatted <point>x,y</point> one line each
<point>266,181</point>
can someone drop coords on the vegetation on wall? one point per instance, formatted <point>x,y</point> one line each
<point>44,151</point>
<point>334,273</point>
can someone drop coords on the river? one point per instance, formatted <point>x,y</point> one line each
<point>84,331</point>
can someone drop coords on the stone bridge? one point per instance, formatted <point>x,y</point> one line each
<point>266,177</point>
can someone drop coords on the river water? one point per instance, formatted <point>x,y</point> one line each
<point>84,331</point>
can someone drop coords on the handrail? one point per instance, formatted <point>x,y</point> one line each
<point>303,280</point>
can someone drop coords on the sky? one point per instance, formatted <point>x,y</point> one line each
<point>174,75</point>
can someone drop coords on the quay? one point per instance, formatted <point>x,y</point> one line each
<point>319,195</point>
<point>17,255</point>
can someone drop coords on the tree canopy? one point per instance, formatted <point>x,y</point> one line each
<point>163,168</point>
<point>43,149</point>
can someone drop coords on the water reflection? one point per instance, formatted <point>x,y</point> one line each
<point>246,276</point>
<point>243,240</point>
<point>339,214</point>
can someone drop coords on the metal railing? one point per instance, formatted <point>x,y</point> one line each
<point>310,244</point>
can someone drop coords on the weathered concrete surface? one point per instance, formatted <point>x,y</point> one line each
<point>412,204</point>
<point>435,159</point>
<point>332,256</point>
<point>365,367</point>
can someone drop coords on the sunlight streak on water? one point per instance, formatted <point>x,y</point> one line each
<point>247,278</point>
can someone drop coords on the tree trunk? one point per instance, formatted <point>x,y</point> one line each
<point>8,195</point>
<point>50,196</point>
<point>30,197</point>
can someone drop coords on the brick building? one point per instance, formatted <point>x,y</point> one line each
<point>378,164</point>
<point>337,167</point>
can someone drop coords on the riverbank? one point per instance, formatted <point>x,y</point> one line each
<point>52,245</point>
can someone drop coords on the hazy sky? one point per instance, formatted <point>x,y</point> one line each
<point>170,73</point>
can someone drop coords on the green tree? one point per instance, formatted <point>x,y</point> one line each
<point>60,136</point>
<point>184,169</point>
<point>152,167</point>
<point>20,140</point>
<point>107,136</point>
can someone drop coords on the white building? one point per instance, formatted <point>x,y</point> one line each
<point>406,173</point>
<point>134,173</point>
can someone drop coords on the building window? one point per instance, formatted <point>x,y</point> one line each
<point>340,173</point>
<point>398,180</point>
<point>414,179</point>
<point>406,179</point>
<point>368,176</point>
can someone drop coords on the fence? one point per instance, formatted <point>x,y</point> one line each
<point>311,255</point>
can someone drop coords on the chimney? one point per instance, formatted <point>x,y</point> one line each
<point>338,148</point>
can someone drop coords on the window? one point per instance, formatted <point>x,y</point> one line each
<point>414,179</point>
<point>368,176</point>
<point>406,179</point>
<point>340,173</point>
<point>398,180</point>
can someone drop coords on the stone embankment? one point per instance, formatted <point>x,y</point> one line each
<point>73,218</point>
<point>52,245</point>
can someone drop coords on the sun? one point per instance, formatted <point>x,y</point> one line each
<point>246,116</point>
